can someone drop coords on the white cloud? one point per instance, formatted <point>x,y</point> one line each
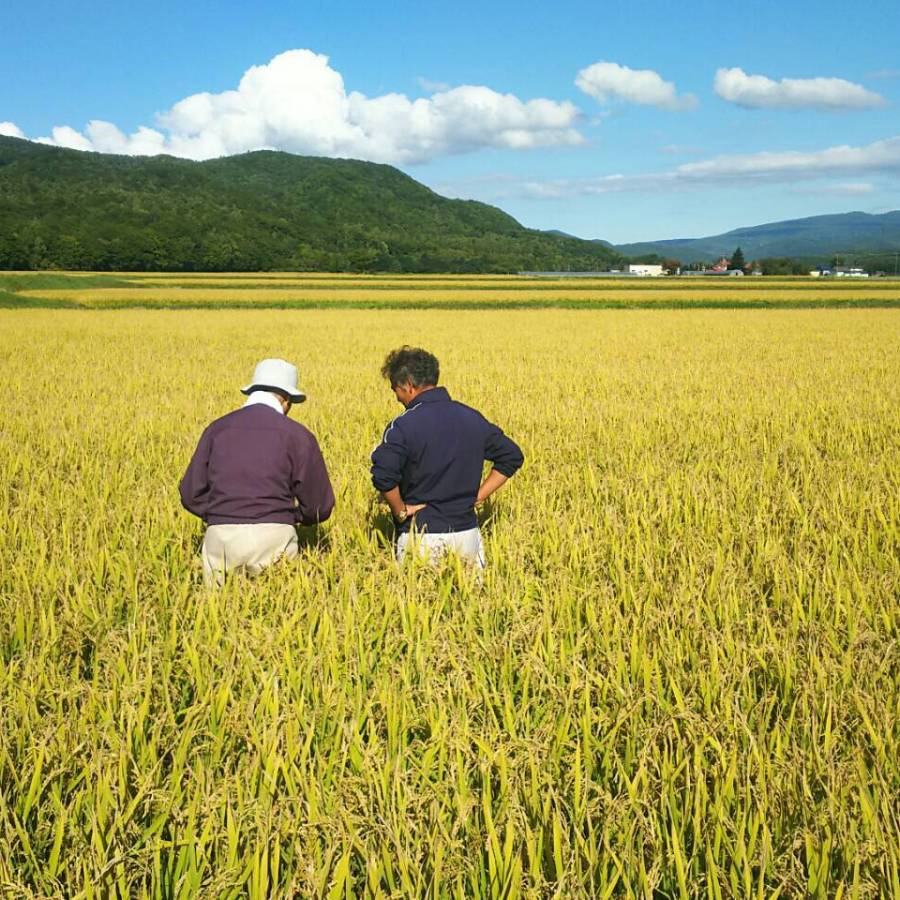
<point>64,136</point>
<point>737,170</point>
<point>845,189</point>
<point>432,86</point>
<point>297,102</point>
<point>759,92</point>
<point>680,150</point>
<point>880,156</point>
<point>607,82</point>
<point>104,137</point>
<point>10,129</point>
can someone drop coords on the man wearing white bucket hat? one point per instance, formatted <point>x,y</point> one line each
<point>254,476</point>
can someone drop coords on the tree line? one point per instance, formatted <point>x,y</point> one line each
<point>64,209</point>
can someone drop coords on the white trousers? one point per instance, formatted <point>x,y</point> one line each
<point>467,544</point>
<point>251,547</point>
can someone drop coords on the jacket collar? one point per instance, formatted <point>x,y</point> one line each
<point>432,395</point>
<point>264,398</point>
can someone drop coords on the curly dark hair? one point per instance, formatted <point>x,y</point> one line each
<point>411,364</point>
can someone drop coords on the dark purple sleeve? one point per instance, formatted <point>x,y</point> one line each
<point>309,481</point>
<point>504,453</point>
<point>194,486</point>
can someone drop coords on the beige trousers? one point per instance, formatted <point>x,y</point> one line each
<point>467,544</point>
<point>250,547</point>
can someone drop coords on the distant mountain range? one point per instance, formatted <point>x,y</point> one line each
<point>265,210</point>
<point>810,238</point>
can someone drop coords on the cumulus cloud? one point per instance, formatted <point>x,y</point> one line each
<point>10,129</point>
<point>759,92</point>
<point>104,137</point>
<point>298,102</point>
<point>734,170</point>
<point>608,82</point>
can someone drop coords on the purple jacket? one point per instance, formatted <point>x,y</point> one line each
<point>251,466</point>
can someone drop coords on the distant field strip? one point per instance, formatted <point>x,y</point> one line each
<point>174,297</point>
<point>330,291</point>
<point>231,277</point>
<point>567,285</point>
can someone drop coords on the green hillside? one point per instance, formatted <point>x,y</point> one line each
<point>813,237</point>
<point>266,210</point>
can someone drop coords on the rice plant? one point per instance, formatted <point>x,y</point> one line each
<point>678,677</point>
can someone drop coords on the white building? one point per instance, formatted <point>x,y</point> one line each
<point>645,269</point>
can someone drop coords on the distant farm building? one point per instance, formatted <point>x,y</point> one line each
<point>720,268</point>
<point>840,272</point>
<point>717,271</point>
<point>645,270</point>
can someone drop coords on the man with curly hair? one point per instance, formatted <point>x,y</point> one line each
<point>429,463</point>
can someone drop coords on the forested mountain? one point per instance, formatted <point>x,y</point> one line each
<point>823,237</point>
<point>69,209</point>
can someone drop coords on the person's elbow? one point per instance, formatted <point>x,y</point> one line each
<point>190,501</point>
<point>383,479</point>
<point>326,509</point>
<point>510,462</point>
<point>317,514</point>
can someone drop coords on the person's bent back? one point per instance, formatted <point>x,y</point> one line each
<point>256,474</point>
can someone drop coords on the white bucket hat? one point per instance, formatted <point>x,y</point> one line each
<point>276,375</point>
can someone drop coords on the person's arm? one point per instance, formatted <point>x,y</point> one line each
<point>507,459</point>
<point>494,481</point>
<point>194,486</point>
<point>388,461</point>
<point>310,483</point>
<point>395,502</point>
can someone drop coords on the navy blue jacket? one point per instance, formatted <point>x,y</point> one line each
<point>435,452</point>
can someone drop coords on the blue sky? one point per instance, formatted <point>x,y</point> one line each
<point>601,119</point>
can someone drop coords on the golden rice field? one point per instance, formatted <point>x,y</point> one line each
<point>679,677</point>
